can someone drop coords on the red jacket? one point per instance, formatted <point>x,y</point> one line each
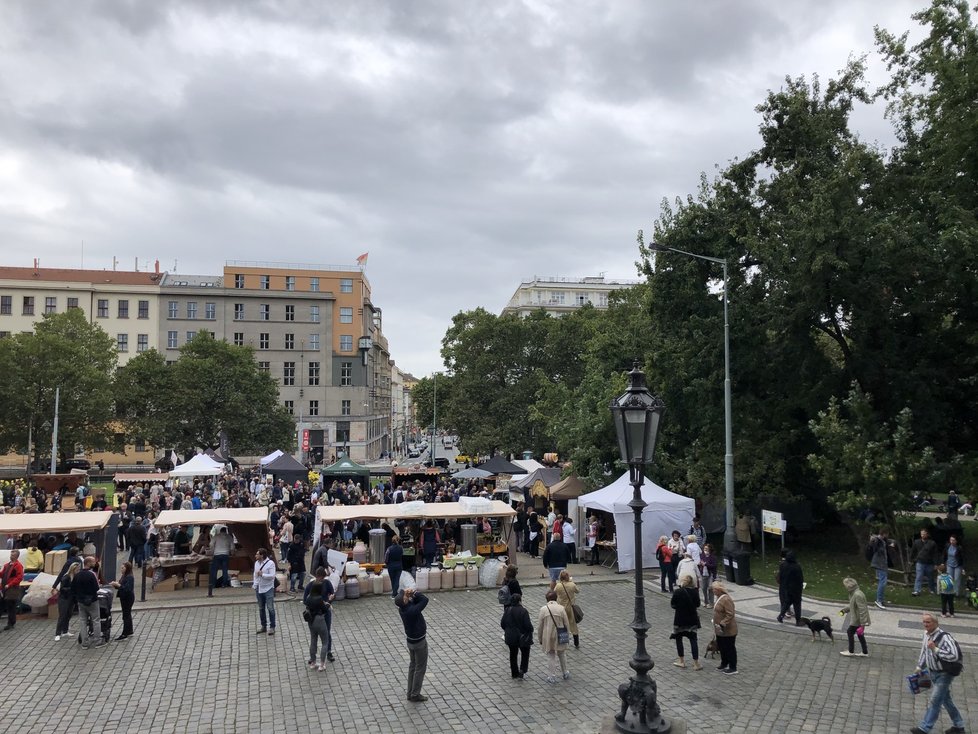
<point>12,575</point>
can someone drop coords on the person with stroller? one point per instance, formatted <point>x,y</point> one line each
<point>84,587</point>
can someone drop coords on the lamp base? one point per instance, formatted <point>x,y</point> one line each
<point>640,713</point>
<point>610,725</point>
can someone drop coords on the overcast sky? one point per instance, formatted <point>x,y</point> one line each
<point>466,145</point>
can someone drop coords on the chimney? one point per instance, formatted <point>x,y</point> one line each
<point>37,263</point>
<point>137,265</point>
<point>157,267</point>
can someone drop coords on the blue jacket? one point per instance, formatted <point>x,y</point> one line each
<point>415,628</point>
<point>395,557</point>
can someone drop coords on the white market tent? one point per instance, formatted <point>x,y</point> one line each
<point>271,457</point>
<point>531,465</point>
<point>666,511</point>
<point>199,466</point>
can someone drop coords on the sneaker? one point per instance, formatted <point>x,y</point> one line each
<point>847,654</point>
<point>879,605</point>
<point>260,631</point>
<point>566,675</point>
<point>271,632</point>
<point>320,668</point>
<point>311,664</point>
<point>418,699</point>
<point>679,663</point>
<point>862,654</point>
<point>729,671</point>
<point>722,668</point>
<point>914,593</point>
<point>551,680</point>
<point>57,638</point>
<point>954,730</point>
<point>329,657</point>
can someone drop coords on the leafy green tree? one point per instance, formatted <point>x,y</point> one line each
<point>64,351</point>
<point>143,395</point>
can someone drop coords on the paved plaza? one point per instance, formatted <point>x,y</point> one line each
<point>203,669</point>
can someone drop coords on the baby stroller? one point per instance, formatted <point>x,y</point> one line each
<point>105,596</point>
<point>971,584</point>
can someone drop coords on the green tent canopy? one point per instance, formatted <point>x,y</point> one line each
<point>346,469</point>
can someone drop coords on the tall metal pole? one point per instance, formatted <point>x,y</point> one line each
<point>729,536</point>
<point>434,416</point>
<point>54,432</point>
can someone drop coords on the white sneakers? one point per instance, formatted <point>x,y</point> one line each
<point>57,638</point>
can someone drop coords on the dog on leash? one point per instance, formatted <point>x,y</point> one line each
<point>818,626</point>
<point>711,649</point>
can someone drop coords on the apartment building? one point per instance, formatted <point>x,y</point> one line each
<point>559,296</point>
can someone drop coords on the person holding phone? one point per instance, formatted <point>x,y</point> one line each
<point>264,586</point>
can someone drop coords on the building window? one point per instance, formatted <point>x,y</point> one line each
<point>264,311</point>
<point>290,282</point>
<point>344,407</point>
<point>290,313</point>
<point>346,315</point>
<point>346,342</point>
<point>263,341</point>
<point>314,342</point>
<point>556,297</point>
<point>28,306</point>
<point>346,374</point>
<point>123,309</point>
<point>346,285</point>
<point>139,444</point>
<point>72,303</point>
<point>6,304</point>
<point>171,340</point>
<point>290,341</point>
<point>264,366</point>
<point>602,299</point>
<point>288,373</point>
<point>342,432</point>
<point>239,312</point>
<point>171,308</point>
<point>290,406</point>
<point>142,342</point>
<point>191,335</point>
<point>313,374</point>
<point>191,309</point>
<point>239,338</point>
<point>210,311</point>
<point>239,281</point>
<point>314,314</point>
<point>144,309</point>
<point>313,407</point>
<point>265,282</point>
<point>581,299</point>
<point>314,285</point>
<point>122,342</point>
<point>50,304</point>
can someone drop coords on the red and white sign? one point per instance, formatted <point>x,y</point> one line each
<point>305,439</point>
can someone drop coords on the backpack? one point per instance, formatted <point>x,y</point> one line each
<point>504,596</point>
<point>945,584</point>
<point>952,667</point>
<point>870,550</point>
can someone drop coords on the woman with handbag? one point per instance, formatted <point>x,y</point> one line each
<point>553,636</point>
<point>686,620</point>
<point>567,598</point>
<point>518,631</point>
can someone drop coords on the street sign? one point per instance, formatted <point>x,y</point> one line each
<point>771,522</point>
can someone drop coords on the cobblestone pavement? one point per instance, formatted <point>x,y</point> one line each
<point>204,669</point>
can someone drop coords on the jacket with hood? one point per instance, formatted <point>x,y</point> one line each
<point>858,608</point>
<point>792,578</point>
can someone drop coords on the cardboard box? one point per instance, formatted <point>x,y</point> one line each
<point>171,583</point>
<point>54,561</point>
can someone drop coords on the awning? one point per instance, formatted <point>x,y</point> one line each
<point>145,477</point>
<point>217,516</point>
<point>53,522</point>
<point>431,510</point>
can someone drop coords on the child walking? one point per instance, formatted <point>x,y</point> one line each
<point>945,585</point>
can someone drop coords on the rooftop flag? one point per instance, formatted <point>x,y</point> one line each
<point>362,260</point>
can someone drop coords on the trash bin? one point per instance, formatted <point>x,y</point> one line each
<point>741,568</point>
<point>728,568</point>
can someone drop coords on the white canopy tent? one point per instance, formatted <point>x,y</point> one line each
<point>271,457</point>
<point>199,466</point>
<point>666,511</point>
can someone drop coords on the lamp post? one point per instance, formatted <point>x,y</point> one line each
<point>637,414</point>
<point>729,536</point>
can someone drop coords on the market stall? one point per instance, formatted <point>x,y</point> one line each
<point>415,472</point>
<point>100,528</point>
<point>287,469</point>
<point>200,465</point>
<point>346,470</point>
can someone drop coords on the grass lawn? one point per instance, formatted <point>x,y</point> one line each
<point>830,553</point>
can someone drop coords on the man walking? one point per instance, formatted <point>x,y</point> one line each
<point>10,578</point>
<point>555,558</point>
<point>84,587</point>
<point>410,604</point>
<point>264,586</point>
<point>940,655</point>
<point>924,556</point>
<point>223,545</point>
<point>881,546</point>
<point>792,582</point>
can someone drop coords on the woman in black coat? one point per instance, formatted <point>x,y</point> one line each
<point>791,581</point>
<point>518,631</point>
<point>535,533</point>
<point>686,620</point>
<point>126,586</point>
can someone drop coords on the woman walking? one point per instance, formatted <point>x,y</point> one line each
<point>725,628</point>
<point>518,631</point>
<point>686,621</point>
<point>126,586</point>
<point>567,596</point>
<point>858,611</point>
<point>553,617</point>
<point>317,607</point>
<point>708,574</point>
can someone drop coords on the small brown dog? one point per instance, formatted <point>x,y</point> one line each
<point>711,649</point>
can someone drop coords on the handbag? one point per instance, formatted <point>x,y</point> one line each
<point>576,608</point>
<point>918,682</point>
<point>563,636</point>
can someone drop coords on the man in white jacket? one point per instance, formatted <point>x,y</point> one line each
<point>264,586</point>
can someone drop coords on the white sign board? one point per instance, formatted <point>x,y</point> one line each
<point>772,522</point>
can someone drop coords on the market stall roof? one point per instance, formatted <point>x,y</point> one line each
<point>530,465</point>
<point>549,477</point>
<point>345,467</point>
<point>217,516</point>
<point>430,510</point>
<point>498,465</point>
<point>271,457</point>
<point>53,522</point>
<point>419,469</point>
<point>120,478</point>
<point>199,466</point>
<point>567,489</point>
<point>286,465</point>
<point>472,474</point>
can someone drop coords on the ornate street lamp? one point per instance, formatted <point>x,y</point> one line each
<point>637,414</point>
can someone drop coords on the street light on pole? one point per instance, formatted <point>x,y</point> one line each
<point>729,536</point>
<point>637,414</point>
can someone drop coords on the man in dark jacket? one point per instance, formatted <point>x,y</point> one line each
<point>137,542</point>
<point>84,588</point>
<point>791,581</point>
<point>394,560</point>
<point>555,558</point>
<point>924,555</point>
<point>10,578</point>
<point>410,604</point>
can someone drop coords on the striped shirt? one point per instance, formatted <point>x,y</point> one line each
<point>946,649</point>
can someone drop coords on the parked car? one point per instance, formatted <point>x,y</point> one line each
<point>68,464</point>
<point>413,454</point>
<point>439,461</point>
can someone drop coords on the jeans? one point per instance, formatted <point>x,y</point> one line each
<point>418,667</point>
<point>91,624</point>
<point>727,647</point>
<point>219,563</point>
<point>285,550</point>
<point>137,554</point>
<point>708,596</point>
<point>955,572</point>
<point>266,600</point>
<point>395,574</point>
<point>694,649</point>
<point>66,606</point>
<point>940,695</point>
<point>318,633</point>
<point>524,664</point>
<point>922,570</point>
<point>880,583</point>
<point>851,633</point>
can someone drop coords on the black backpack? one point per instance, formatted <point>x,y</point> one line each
<point>952,667</point>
